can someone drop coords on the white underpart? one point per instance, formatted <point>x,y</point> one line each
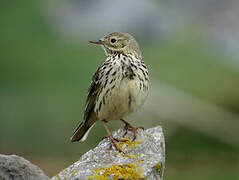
<point>126,96</point>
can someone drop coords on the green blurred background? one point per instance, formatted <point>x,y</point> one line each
<point>45,72</point>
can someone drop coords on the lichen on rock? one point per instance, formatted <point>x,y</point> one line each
<point>139,159</point>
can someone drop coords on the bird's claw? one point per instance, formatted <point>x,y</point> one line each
<point>129,127</point>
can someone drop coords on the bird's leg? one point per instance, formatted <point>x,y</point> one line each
<point>129,127</point>
<point>112,139</point>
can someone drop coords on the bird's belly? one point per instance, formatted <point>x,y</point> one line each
<point>126,97</point>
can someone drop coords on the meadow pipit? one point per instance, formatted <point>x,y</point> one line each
<point>119,86</point>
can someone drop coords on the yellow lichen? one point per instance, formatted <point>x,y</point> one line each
<point>129,155</point>
<point>149,135</point>
<point>76,171</point>
<point>96,169</point>
<point>158,167</point>
<point>123,171</point>
<point>117,171</point>
<point>127,143</point>
<point>58,176</point>
<point>139,161</point>
<point>135,157</point>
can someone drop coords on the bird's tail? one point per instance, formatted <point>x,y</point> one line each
<point>82,130</point>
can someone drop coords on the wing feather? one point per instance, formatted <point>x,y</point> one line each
<point>93,92</point>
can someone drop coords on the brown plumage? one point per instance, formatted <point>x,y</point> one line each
<point>119,85</point>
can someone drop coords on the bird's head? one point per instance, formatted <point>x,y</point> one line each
<point>118,42</point>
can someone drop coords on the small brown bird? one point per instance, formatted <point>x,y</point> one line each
<point>119,86</point>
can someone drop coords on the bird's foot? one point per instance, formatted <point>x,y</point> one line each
<point>129,127</point>
<point>113,140</point>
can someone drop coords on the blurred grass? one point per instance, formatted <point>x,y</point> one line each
<point>43,84</point>
<point>192,66</point>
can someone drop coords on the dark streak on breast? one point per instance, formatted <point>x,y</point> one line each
<point>112,87</point>
<point>111,80</point>
<point>105,82</point>
<point>143,72</point>
<point>140,85</point>
<point>129,101</point>
<point>104,100</point>
<point>133,65</point>
<point>113,74</point>
<point>100,105</point>
<point>107,91</point>
<point>108,71</point>
<point>144,66</point>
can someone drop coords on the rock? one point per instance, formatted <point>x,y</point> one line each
<point>142,158</point>
<point>13,167</point>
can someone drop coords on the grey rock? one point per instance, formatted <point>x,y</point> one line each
<point>13,167</point>
<point>142,158</point>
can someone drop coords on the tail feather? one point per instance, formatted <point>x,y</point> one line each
<point>82,130</point>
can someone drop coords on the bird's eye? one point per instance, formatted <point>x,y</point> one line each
<point>113,40</point>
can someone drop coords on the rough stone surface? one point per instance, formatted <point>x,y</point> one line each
<point>142,158</point>
<point>13,167</point>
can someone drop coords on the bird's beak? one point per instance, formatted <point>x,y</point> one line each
<point>97,42</point>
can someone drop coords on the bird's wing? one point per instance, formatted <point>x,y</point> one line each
<point>93,92</point>
<point>90,116</point>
